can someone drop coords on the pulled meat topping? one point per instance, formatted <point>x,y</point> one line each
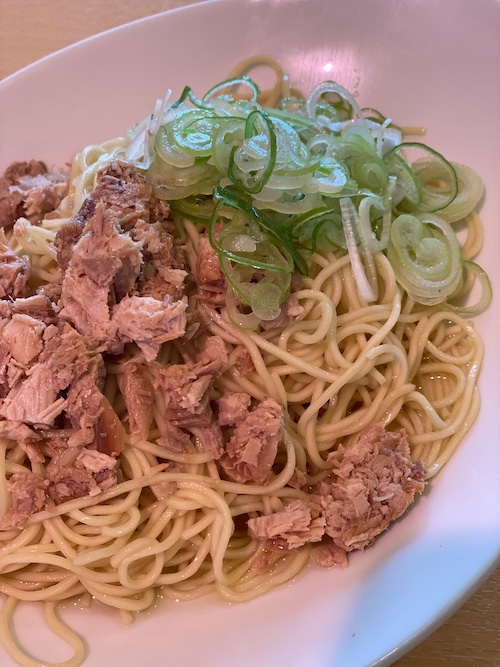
<point>372,484</point>
<point>121,295</point>
<point>122,283</point>
<point>30,190</point>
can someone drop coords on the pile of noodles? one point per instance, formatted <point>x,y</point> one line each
<point>347,364</point>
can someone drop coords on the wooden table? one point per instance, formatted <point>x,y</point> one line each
<point>30,29</point>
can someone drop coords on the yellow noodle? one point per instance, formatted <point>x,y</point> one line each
<point>345,365</point>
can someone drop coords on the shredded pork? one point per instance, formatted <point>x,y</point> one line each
<point>251,451</point>
<point>29,189</point>
<point>123,293</point>
<point>373,484</point>
<point>122,283</point>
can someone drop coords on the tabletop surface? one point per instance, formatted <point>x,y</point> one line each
<point>471,637</point>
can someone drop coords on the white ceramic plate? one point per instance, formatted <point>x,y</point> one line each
<point>434,64</point>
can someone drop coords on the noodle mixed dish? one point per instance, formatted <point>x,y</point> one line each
<point>233,340</point>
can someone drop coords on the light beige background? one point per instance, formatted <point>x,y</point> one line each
<point>31,29</point>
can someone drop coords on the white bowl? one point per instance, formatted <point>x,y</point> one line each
<point>427,63</point>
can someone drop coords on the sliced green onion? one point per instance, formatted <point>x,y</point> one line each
<point>318,91</point>
<point>365,225</point>
<point>407,185</point>
<point>436,176</point>
<point>225,138</point>
<point>425,255</point>
<point>171,183</point>
<point>273,185</point>
<point>470,191</point>
<point>291,203</point>
<point>191,132</point>
<point>298,121</point>
<point>260,155</point>
<point>249,287</point>
<point>248,321</point>
<point>169,152</point>
<point>246,244</point>
<point>373,114</point>
<point>187,94</point>
<point>484,301</point>
<point>367,284</point>
<point>367,229</point>
<point>232,83</point>
<point>371,174</point>
<point>266,300</point>
<point>231,199</point>
<point>196,208</point>
<point>328,228</point>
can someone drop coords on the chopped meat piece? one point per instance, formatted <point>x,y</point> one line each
<point>95,461</point>
<point>329,555</point>
<point>29,189</point>
<point>32,451</point>
<point>165,283</point>
<point>375,482</point>
<point>208,269</point>
<point>23,336</point>
<point>92,415</point>
<point>137,391</point>
<point>27,495</point>
<point>241,361</point>
<point>34,401</point>
<point>294,311</point>
<point>37,400</point>
<point>213,349</point>
<point>92,472</point>
<point>68,482</point>
<point>51,291</point>
<point>14,271</point>
<point>17,170</point>
<point>233,408</point>
<point>252,449</point>
<point>37,306</point>
<point>27,492</point>
<point>149,322</point>
<point>109,432</point>
<point>118,286</point>
<point>65,378</point>
<point>70,232</point>
<point>209,439</point>
<point>106,479</point>
<point>101,255</point>
<point>185,391</point>
<point>121,188</point>
<point>295,525</point>
<point>163,272</point>
<point>12,519</point>
<point>173,438</point>
<point>5,365</point>
<point>212,284</point>
<point>14,374</point>
<point>194,420</point>
<point>156,241</point>
<point>5,309</point>
<point>85,405</point>
<point>39,195</point>
<point>18,432</point>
